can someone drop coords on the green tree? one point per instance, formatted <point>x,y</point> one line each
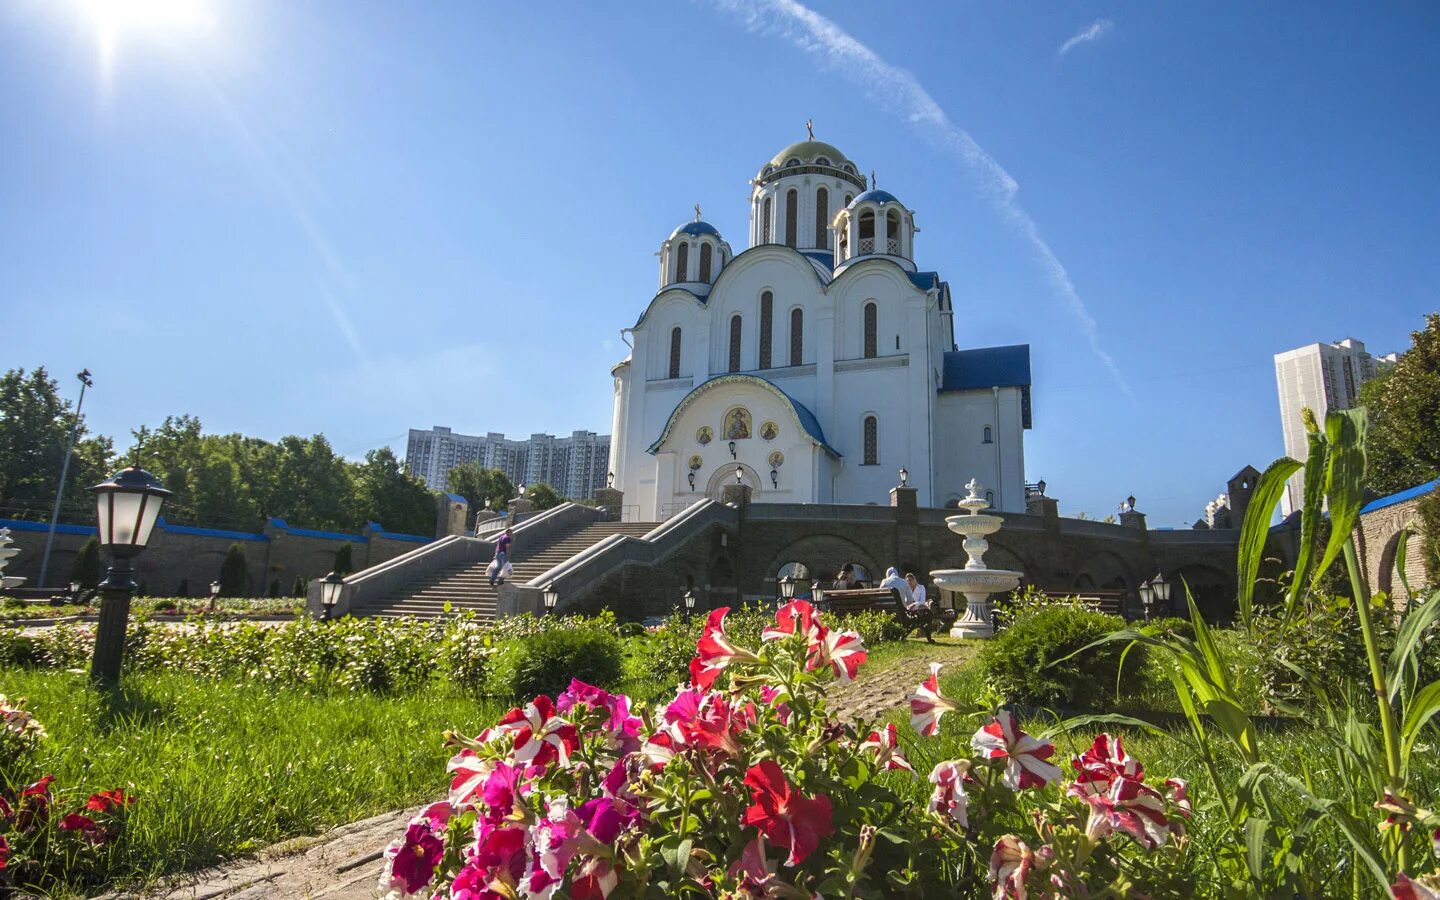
<point>1404,409</point>
<point>301,587</point>
<point>86,567</point>
<point>477,484</point>
<point>234,573</point>
<point>35,425</point>
<point>543,496</point>
<point>345,559</point>
<point>387,494</point>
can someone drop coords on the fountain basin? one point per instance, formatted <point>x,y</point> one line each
<point>10,581</point>
<point>977,585</point>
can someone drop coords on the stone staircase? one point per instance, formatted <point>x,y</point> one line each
<point>466,587</point>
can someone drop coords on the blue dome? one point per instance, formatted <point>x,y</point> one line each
<point>877,196</point>
<point>696,228</point>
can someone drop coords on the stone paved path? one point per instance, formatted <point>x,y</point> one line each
<point>344,864</point>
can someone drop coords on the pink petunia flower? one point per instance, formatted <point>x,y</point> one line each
<point>88,828</point>
<point>552,846</point>
<point>843,651</point>
<point>410,862</point>
<point>948,799</point>
<point>769,695</point>
<point>1107,756</point>
<point>795,617</point>
<point>885,744</point>
<point>541,737</point>
<point>790,821</point>
<point>107,801</point>
<point>927,705</point>
<point>1010,865</point>
<point>1130,806</point>
<point>715,652</point>
<point>470,771</point>
<point>1025,756</point>
<point>4,853</point>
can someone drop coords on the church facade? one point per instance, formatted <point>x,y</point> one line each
<point>813,365</point>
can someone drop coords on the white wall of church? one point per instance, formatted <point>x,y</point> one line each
<point>961,452</point>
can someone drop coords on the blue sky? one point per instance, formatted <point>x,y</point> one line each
<point>361,217</point>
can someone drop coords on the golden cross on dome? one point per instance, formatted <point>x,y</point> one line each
<point>810,127</point>
<point>697,212</point>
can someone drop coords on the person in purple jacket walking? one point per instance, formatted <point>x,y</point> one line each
<point>502,556</point>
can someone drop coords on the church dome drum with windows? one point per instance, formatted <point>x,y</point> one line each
<point>815,363</point>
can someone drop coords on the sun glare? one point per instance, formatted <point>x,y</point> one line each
<point>118,21</point>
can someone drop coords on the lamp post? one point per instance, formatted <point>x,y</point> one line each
<point>330,588</point>
<point>609,479</point>
<point>1161,588</point>
<point>904,476</point>
<point>1147,598</point>
<point>817,595</point>
<point>689,599</point>
<point>214,591</point>
<point>75,591</point>
<point>127,505</point>
<point>691,476</point>
<point>787,587</point>
<point>775,478</point>
<point>739,475</point>
<point>732,450</point>
<point>85,381</point>
<point>551,597</point>
<point>1041,485</point>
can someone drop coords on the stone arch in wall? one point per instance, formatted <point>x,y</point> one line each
<point>1213,590</point>
<point>823,555</point>
<point>1104,571</point>
<point>1388,574</point>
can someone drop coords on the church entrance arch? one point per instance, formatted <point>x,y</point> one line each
<point>726,475</point>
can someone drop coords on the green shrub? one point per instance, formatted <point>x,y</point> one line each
<point>17,649</point>
<point>86,567</point>
<point>1174,625</point>
<point>1018,662</point>
<point>544,663</point>
<point>234,577</point>
<point>345,559</point>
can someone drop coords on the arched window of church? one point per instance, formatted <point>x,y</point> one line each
<point>797,337</point>
<point>675,352</point>
<point>849,198</point>
<point>765,221</point>
<point>872,314</point>
<point>767,309</point>
<point>705,261</point>
<point>682,262</point>
<point>822,218</point>
<point>892,232</point>
<point>792,217</point>
<point>989,436</point>
<point>735,343</point>
<point>872,441</point>
<point>867,233</point>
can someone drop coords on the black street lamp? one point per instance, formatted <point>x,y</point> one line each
<point>689,599</point>
<point>551,597</point>
<point>1147,597</point>
<point>691,476</point>
<point>739,475</point>
<point>787,587</point>
<point>214,591</point>
<point>775,478</point>
<point>127,506</point>
<point>1041,485</point>
<point>817,594</point>
<point>75,591</point>
<point>330,587</point>
<point>732,450</point>
<point>610,479</point>
<point>1162,590</point>
<point>904,476</point>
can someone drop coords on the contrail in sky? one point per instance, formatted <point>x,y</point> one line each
<point>839,51</point>
<point>1092,32</point>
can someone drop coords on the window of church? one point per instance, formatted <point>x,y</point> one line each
<point>892,232</point>
<point>872,441</point>
<point>989,436</point>
<point>682,262</point>
<point>705,261</point>
<point>767,308</point>
<point>675,352</point>
<point>867,233</point>
<point>792,217</point>
<point>735,343</point>
<point>765,221</point>
<point>822,218</point>
<point>797,337</point>
<point>872,314</point>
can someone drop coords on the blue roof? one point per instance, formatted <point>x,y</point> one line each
<point>824,257</point>
<point>802,412</point>
<point>1401,496</point>
<point>924,280</point>
<point>876,195</point>
<point>696,228</point>
<point>987,367</point>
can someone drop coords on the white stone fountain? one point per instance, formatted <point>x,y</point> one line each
<point>6,552</point>
<point>975,581</point>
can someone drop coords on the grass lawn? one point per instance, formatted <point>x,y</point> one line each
<point>223,768</point>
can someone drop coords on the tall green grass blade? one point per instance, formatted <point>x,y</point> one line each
<point>1400,544</point>
<point>1345,479</point>
<point>1404,659</point>
<point>1075,723</point>
<point>1424,705</point>
<point>1314,513</point>
<point>1257,527</point>
<point>1255,829</point>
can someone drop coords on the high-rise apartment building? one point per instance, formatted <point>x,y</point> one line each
<point>575,465</point>
<point>1322,377</point>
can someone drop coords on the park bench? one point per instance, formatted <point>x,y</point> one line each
<point>886,600</point>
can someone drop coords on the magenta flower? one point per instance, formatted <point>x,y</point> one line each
<point>1427,888</point>
<point>552,846</point>
<point>4,853</point>
<point>948,799</point>
<point>715,651</point>
<point>885,744</point>
<point>789,820</point>
<point>622,730</point>
<point>1025,756</point>
<point>1010,865</point>
<point>770,695</point>
<point>410,862</point>
<point>469,773</point>
<point>795,617</point>
<point>927,705</point>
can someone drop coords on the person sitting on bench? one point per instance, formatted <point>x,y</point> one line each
<point>894,582</point>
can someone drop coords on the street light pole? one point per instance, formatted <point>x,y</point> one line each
<point>85,381</point>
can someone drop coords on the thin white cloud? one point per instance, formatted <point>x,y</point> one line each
<point>1092,32</point>
<point>895,88</point>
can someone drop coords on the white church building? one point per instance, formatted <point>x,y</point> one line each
<point>813,365</point>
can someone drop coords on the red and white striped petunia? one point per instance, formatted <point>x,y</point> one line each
<point>715,652</point>
<point>795,617</point>
<point>843,651</point>
<point>1010,865</point>
<point>927,705</point>
<point>885,744</point>
<point>1025,756</point>
<point>1426,888</point>
<point>1131,806</point>
<point>948,799</point>
<point>541,737</point>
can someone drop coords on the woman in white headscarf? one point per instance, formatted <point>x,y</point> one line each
<point>893,580</point>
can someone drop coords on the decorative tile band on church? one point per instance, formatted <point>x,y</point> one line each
<point>813,365</point>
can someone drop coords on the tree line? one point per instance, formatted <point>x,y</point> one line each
<point>220,480</point>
